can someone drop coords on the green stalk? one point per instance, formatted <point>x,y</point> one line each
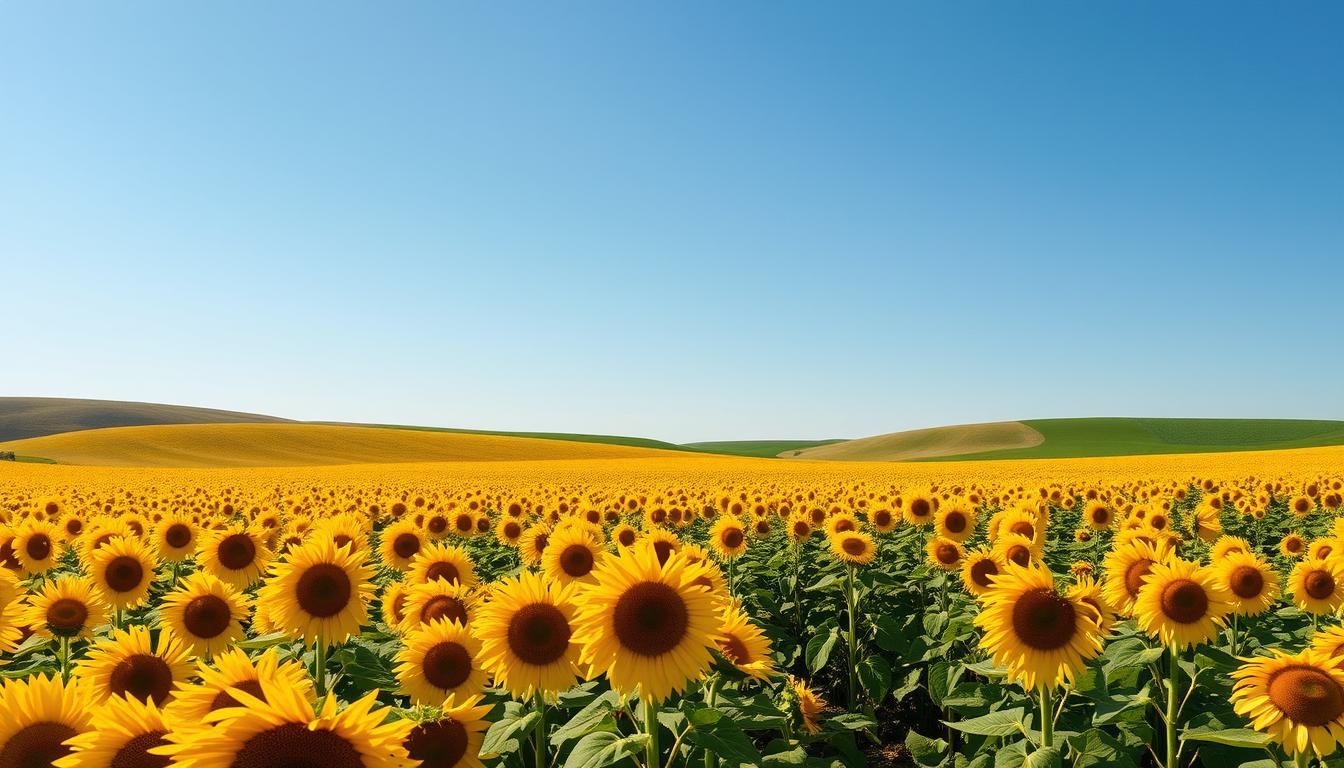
<point>852,600</point>
<point>1232,639</point>
<point>1047,719</point>
<point>652,755</point>
<point>1173,700</point>
<point>65,659</point>
<point>320,667</point>
<point>711,759</point>
<point>539,702</point>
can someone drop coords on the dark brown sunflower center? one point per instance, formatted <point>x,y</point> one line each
<point>177,536</point>
<point>539,634</point>
<point>324,590</point>
<point>1185,601</point>
<point>512,530</point>
<point>882,518</point>
<point>135,753</point>
<point>1246,581</point>
<point>1023,528</point>
<point>74,525</point>
<point>921,507</point>
<point>1101,515</point>
<point>576,560</point>
<point>66,617</point>
<point>1319,584</point>
<point>465,523</point>
<point>801,529</point>
<point>1019,554</point>
<point>38,546</point>
<point>342,540</point>
<point>207,616</point>
<point>626,537</point>
<point>236,552</point>
<point>437,525</point>
<point>854,546</point>
<point>1306,695</point>
<point>650,619</point>
<point>447,665</point>
<point>124,573</point>
<point>443,607</point>
<point>734,649</point>
<point>142,676</point>
<point>1324,551</point>
<point>732,538</point>
<point>1044,620</point>
<point>954,522</point>
<point>440,744</point>
<point>224,699</point>
<point>442,569</point>
<point>406,545</point>
<point>948,554</point>
<point>36,746</point>
<point>1294,545</point>
<point>1135,574</point>
<point>981,570</point>
<point>664,550</point>
<point>292,745</point>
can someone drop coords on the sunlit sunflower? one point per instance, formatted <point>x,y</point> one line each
<point>798,529</point>
<point>1253,584</point>
<point>128,663</point>
<point>572,554</point>
<point>526,632</point>
<point>728,536</point>
<point>37,546</point>
<point>1330,643</point>
<point>1317,586</point>
<point>193,702</point>
<point>883,519</point>
<point>1321,549</point>
<point>282,729</point>
<point>1098,515</point>
<point>1016,549</point>
<point>1182,602</point>
<point>441,659</point>
<point>38,715</point>
<point>1088,592</point>
<point>320,592</point>
<point>1293,545</point>
<point>453,738</point>
<point>400,543</point>
<point>1298,699</point>
<point>810,705</point>
<point>945,554</point>
<point>978,568</point>
<point>743,644</point>
<point>955,521</point>
<point>1126,567</point>
<point>533,543</point>
<point>66,607</point>
<point>392,603</point>
<point>436,600</point>
<point>646,625</point>
<point>509,531</point>
<point>444,562</point>
<point>1205,523</point>
<point>1041,636</point>
<point>122,571</point>
<point>919,509</point>
<point>664,542</point>
<point>235,554</point>
<point>205,613</point>
<point>1301,505</point>
<point>122,732</point>
<point>175,538</point>
<point>1228,545</point>
<point>853,547</point>
<point>624,535</point>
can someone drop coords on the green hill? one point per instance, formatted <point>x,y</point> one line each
<point>758,448</point>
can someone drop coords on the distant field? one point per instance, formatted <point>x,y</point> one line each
<point>24,417</point>
<point>280,445</point>
<point>927,443</point>
<point>757,448</point>
<point>573,437</point>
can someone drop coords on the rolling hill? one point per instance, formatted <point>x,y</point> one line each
<point>290,444</point>
<point>24,417</point>
<point>926,443</point>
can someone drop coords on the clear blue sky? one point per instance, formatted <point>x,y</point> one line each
<point>678,220</point>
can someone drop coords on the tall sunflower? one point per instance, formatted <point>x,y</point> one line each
<point>453,738</point>
<point>1126,568</point>
<point>38,715</point>
<point>320,592</point>
<point>67,607</point>
<point>1041,636</point>
<point>648,626</point>
<point>526,632</point>
<point>1317,586</point>
<point>441,659</point>
<point>1253,584</point>
<point>122,570</point>
<point>853,548</point>
<point>235,554</point>
<point>1182,603</point>
<point>573,553</point>
<point>400,543</point>
<point>205,613</point>
<point>128,664</point>
<point>123,732</point>
<point>1298,699</point>
<point>955,521</point>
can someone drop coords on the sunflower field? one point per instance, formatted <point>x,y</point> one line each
<point>1141,611</point>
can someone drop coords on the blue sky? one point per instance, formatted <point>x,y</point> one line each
<point>685,221</point>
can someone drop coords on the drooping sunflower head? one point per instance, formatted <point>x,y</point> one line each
<point>1182,602</point>
<point>743,644</point>
<point>1041,636</point>
<point>441,659</point>
<point>1324,548</point>
<point>533,542</point>
<point>810,705</point>
<point>129,663</point>
<point>526,632</point>
<point>1253,584</point>
<point>205,613</point>
<point>1298,699</point>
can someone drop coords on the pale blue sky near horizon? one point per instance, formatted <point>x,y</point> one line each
<point>688,221</point>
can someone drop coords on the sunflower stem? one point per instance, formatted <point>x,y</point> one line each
<point>852,600</point>
<point>652,755</point>
<point>320,667</point>
<point>711,693</point>
<point>1302,759</point>
<point>1047,719</point>
<point>65,659</point>
<point>1232,636</point>
<point>1173,699</point>
<point>539,703</point>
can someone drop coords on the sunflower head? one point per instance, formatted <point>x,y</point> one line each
<point>526,632</point>
<point>1298,699</point>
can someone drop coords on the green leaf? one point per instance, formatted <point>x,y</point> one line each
<point>1232,737</point>
<point>823,582</point>
<point>507,735</point>
<point>1045,757</point>
<point>586,719</point>
<point>1007,722</point>
<point>819,649</point>
<point>1096,747</point>
<point>926,751</point>
<point>852,721</point>
<point>712,731</point>
<point>603,748</point>
<point>875,676</point>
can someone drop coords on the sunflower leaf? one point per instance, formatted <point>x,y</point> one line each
<point>508,734</point>
<point>1232,737</point>
<point>604,748</point>
<point>819,649</point>
<point>1006,722</point>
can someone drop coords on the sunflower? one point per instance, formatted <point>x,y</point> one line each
<point>1041,636</point>
<point>1182,602</point>
<point>798,529</point>
<point>67,607</point>
<point>37,546</point>
<point>400,543</point>
<point>122,733</point>
<point>453,738</point>
<point>235,554</point>
<point>1253,584</point>
<point>320,592</point>
<point>440,659</point>
<point>128,664</point>
<point>572,554</point>
<point>664,542</point>
<point>853,548</point>
<point>810,705</point>
<point>1015,548</point>
<point>392,603</point>
<point>122,570</point>
<point>232,669</point>
<point>1228,545</point>
<point>436,600</point>
<point>1321,549</point>
<point>1126,567</point>
<point>744,645</point>
<point>1088,592</point>
<point>509,531</point>
<point>205,613</point>
<point>1298,699</point>
<point>1330,644</point>
<point>1302,505</point>
<point>1317,586</point>
<point>728,536</point>
<point>1293,545</point>
<point>281,728</point>
<point>646,624</point>
<point>1098,515</point>
<point>977,570</point>
<point>526,632</point>
<point>38,715</point>
<point>1205,523</point>
<point>175,538</point>
<point>533,543</point>
<point>442,562</point>
<point>943,553</point>
<point>919,509</point>
<point>955,521</point>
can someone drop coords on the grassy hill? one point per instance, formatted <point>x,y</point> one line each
<point>926,443</point>
<point>286,444</point>
<point>24,417</point>
<point>758,448</point>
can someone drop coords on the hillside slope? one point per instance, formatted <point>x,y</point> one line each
<point>280,445</point>
<point>24,417</point>
<point>926,443</point>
